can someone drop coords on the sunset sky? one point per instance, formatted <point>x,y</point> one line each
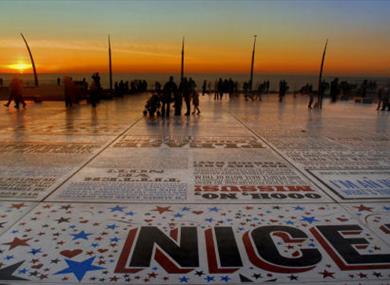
<point>71,36</point>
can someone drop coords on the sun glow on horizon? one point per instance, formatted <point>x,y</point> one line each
<point>20,66</point>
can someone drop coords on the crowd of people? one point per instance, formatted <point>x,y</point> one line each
<point>186,92</point>
<point>160,101</point>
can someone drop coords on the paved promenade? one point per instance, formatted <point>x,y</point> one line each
<point>245,192</point>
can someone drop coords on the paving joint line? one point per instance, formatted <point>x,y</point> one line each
<point>90,159</point>
<point>284,158</point>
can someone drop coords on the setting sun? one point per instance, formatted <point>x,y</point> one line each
<point>20,66</point>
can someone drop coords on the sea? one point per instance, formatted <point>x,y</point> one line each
<point>295,81</point>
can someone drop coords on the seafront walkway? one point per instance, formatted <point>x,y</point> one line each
<point>245,192</point>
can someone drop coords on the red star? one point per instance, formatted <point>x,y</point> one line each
<point>17,242</point>
<point>152,275</point>
<point>326,274</point>
<point>362,208</point>
<point>161,210</point>
<point>18,206</point>
<point>362,275</point>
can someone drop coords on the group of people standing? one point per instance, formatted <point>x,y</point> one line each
<point>225,86</point>
<point>73,90</point>
<point>171,93</point>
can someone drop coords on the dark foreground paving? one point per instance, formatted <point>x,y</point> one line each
<point>244,193</point>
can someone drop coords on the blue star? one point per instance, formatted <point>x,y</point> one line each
<point>213,209</point>
<point>185,209</point>
<point>34,251</point>
<point>80,235</point>
<point>95,244</point>
<point>299,208</point>
<point>209,278</point>
<point>183,279</point>
<point>225,278</point>
<point>9,257</point>
<point>386,208</point>
<point>23,271</point>
<point>117,209</point>
<point>209,220</point>
<point>178,215</point>
<point>112,226</point>
<point>115,239</point>
<point>289,222</point>
<point>79,268</point>
<point>309,220</point>
<point>130,213</point>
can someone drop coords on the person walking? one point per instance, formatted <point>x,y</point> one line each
<point>169,90</point>
<point>195,102</point>
<point>16,93</point>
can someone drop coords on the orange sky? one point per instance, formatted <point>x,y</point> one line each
<point>147,38</point>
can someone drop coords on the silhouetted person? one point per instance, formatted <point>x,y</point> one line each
<point>94,93</point>
<point>267,86</point>
<point>209,88</point>
<point>204,87</point>
<point>386,98</point>
<point>97,87</point>
<point>58,81</point>
<point>152,105</point>
<point>16,93</point>
<point>187,95</point>
<point>216,84</point>
<point>334,89</point>
<point>68,91</point>
<point>220,89</point>
<point>184,91</point>
<point>283,87</point>
<point>96,79</point>
<point>195,102</point>
<point>1,82</point>
<point>230,87</point>
<point>170,88</point>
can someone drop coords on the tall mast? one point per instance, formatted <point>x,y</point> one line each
<point>109,62</point>
<point>320,75</point>
<point>32,61</point>
<point>252,63</point>
<point>182,61</point>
